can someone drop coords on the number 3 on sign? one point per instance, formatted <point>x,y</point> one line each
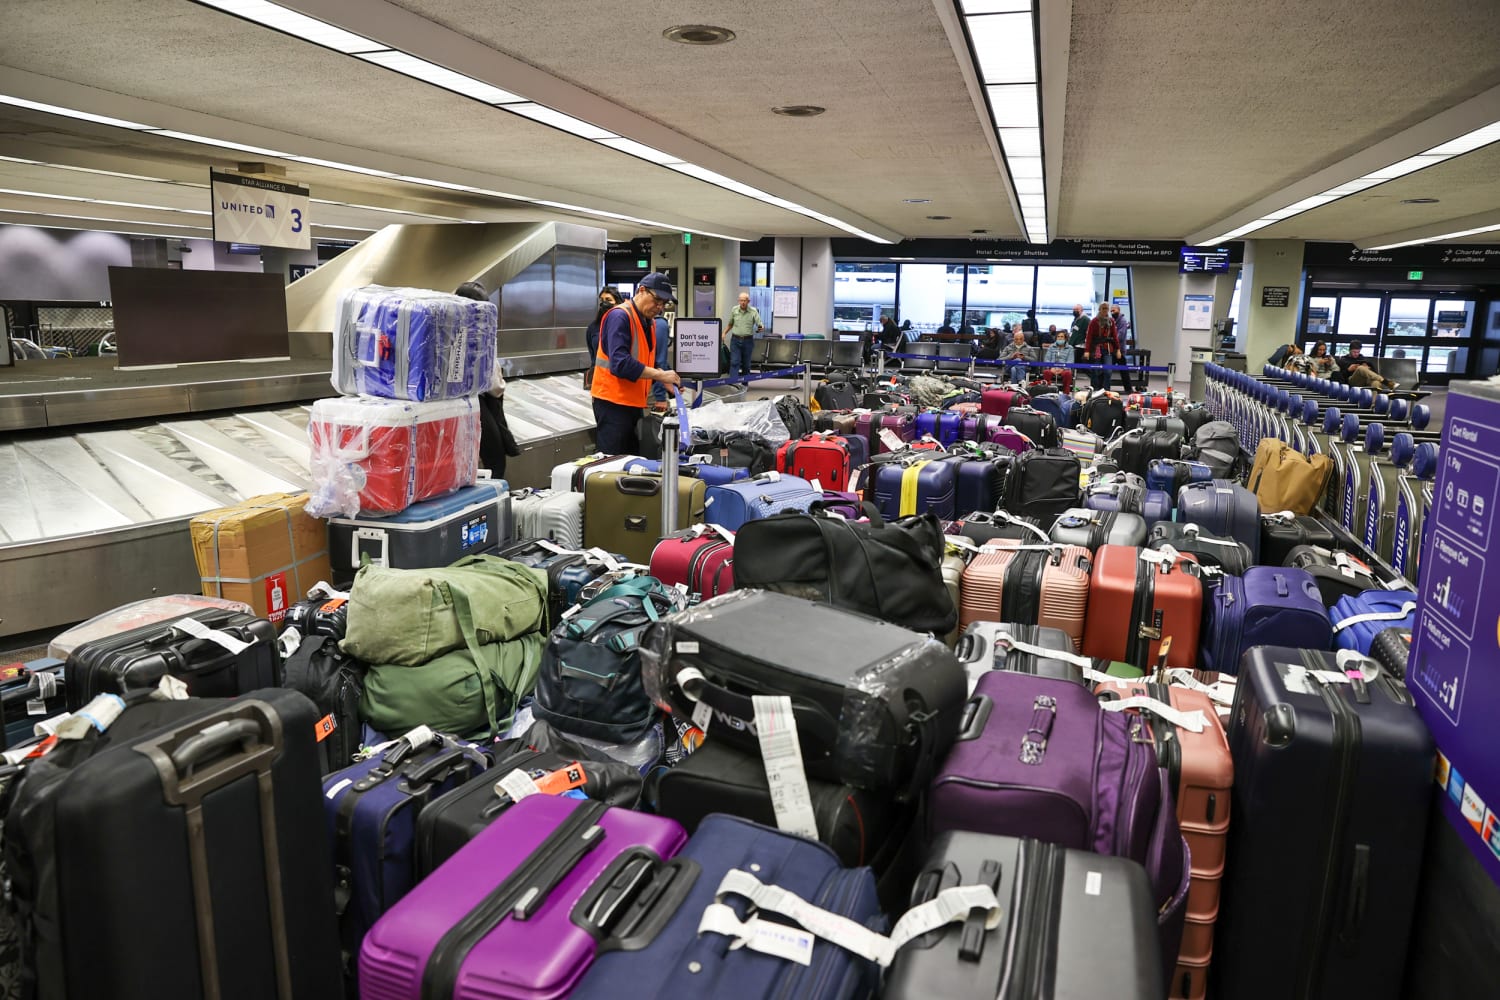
<point>296,220</point>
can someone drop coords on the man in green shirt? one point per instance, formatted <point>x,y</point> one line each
<point>1079,333</point>
<point>744,323</point>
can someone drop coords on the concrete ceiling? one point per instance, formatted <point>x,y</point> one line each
<point>1177,115</point>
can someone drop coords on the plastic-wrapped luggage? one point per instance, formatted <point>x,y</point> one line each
<point>380,456</point>
<point>412,343</point>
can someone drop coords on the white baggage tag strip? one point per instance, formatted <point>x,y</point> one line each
<point>949,906</point>
<point>100,714</point>
<point>48,727</point>
<point>1193,721</point>
<point>722,532</point>
<point>289,641</point>
<point>170,689</point>
<point>611,564</point>
<point>1377,616</point>
<point>556,549</point>
<point>326,591</point>
<point>702,716</point>
<point>421,736</point>
<point>518,785</point>
<point>781,752</point>
<point>1082,662</point>
<point>198,630</point>
<point>1182,677</point>
<point>817,486</point>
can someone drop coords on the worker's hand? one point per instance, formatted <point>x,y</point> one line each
<point>668,377</point>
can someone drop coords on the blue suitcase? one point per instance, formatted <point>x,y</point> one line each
<point>656,945</point>
<point>1268,605</point>
<point>1359,619</point>
<point>1171,475</point>
<point>981,482</point>
<point>859,453</point>
<point>946,427</point>
<point>732,504</point>
<point>371,809</point>
<point>1051,404</point>
<point>919,486</point>
<point>1154,506</point>
<point>1225,508</point>
<point>712,475</point>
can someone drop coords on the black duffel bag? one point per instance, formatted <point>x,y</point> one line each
<point>737,450</point>
<point>887,571</point>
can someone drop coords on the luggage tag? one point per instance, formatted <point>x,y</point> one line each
<point>781,752</point>
<point>1193,722</point>
<point>1008,641</point>
<point>198,630</point>
<point>46,687</point>
<point>1377,616</point>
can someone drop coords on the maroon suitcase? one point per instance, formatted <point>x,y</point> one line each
<point>999,401</point>
<point>824,458</point>
<point>700,559</point>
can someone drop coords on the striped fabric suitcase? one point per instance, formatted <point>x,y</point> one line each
<point>1033,585</point>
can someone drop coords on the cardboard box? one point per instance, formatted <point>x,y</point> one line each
<point>265,551</point>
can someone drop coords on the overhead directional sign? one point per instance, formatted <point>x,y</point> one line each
<point>251,210</point>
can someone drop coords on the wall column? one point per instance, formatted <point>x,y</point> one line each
<point>806,262</point>
<point>1259,330</point>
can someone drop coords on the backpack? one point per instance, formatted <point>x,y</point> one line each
<point>1217,445</point>
<point>795,415</point>
<point>1104,415</point>
<point>590,682</point>
<point>335,682</point>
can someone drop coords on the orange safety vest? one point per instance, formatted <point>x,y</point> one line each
<point>608,385</point>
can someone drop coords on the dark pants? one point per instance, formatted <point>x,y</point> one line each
<point>1101,379</point>
<point>616,428</point>
<point>741,351</point>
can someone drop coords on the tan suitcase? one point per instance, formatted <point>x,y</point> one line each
<point>622,512</point>
<point>1030,585</point>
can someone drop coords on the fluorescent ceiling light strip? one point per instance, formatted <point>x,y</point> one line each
<point>1004,47</point>
<point>101,201</point>
<point>1021,142</point>
<point>1469,142</point>
<point>994,6</point>
<point>1445,236</point>
<point>1029,185</point>
<point>440,76</point>
<point>53,109</point>
<point>291,22</point>
<point>101,218</point>
<point>640,150</point>
<point>1401,168</point>
<point>1025,166</point>
<point>550,116</point>
<point>1013,105</point>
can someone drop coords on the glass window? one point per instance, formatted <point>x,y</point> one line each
<point>1446,360</point>
<point>1358,317</point>
<point>998,294</point>
<point>763,273</point>
<point>862,293</point>
<point>1408,318</point>
<point>1452,318</point>
<point>1320,310</point>
<point>924,296</point>
<point>1234,298</point>
<point>1058,290</point>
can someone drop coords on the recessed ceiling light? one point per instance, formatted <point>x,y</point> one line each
<point>917,201</point>
<point>798,110</point>
<point>698,34</point>
<point>940,218</point>
<point>1419,201</point>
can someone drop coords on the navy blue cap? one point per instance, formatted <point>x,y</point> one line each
<point>660,286</point>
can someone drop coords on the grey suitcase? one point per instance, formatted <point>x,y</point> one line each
<point>1093,528</point>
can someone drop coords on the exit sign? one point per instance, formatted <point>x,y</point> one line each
<point>687,238</point>
<point>643,264</point>
<point>1413,275</point>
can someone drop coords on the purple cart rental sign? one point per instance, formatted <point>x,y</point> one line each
<point>1454,672</point>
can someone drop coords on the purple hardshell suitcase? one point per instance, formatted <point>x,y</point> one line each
<point>518,913</point>
<point>981,481</point>
<point>1038,757</point>
<point>946,427</point>
<point>1008,437</point>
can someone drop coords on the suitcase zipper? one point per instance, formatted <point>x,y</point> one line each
<point>1347,739</point>
<point>1133,623</point>
<point>525,887</point>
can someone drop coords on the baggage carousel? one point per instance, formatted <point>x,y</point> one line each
<point>95,495</point>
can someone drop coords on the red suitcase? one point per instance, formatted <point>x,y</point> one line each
<point>821,457</point>
<point>1137,598</point>
<point>700,559</point>
<point>380,456</point>
<point>999,401</point>
<point>1201,770</point>
<point>1031,585</point>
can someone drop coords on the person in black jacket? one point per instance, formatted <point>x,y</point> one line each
<point>496,443</point>
<point>608,299</point>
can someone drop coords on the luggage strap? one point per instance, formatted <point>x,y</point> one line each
<point>911,477</point>
<point>953,905</point>
<point>1377,616</point>
<point>1193,721</point>
<point>1195,533</point>
<point>1008,641</point>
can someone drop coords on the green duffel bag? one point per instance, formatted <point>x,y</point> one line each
<point>466,692</point>
<point>414,616</point>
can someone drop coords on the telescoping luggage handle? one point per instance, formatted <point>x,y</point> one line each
<point>974,905</point>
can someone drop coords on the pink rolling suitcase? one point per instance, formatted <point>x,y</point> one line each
<point>518,912</point>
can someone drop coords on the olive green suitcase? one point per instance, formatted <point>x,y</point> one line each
<point>622,512</point>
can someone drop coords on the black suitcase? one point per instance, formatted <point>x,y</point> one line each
<point>993,646</point>
<point>982,526</point>
<point>1208,548</point>
<point>1332,783</point>
<point>1139,448</point>
<point>180,853</point>
<point>1392,649</point>
<point>29,693</point>
<point>1338,574</point>
<point>1043,483</point>
<point>1280,534</point>
<point>138,659</point>
<point>1071,925</point>
<point>716,778</point>
<point>457,816</point>
<point>1040,427</point>
<point>876,706</point>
